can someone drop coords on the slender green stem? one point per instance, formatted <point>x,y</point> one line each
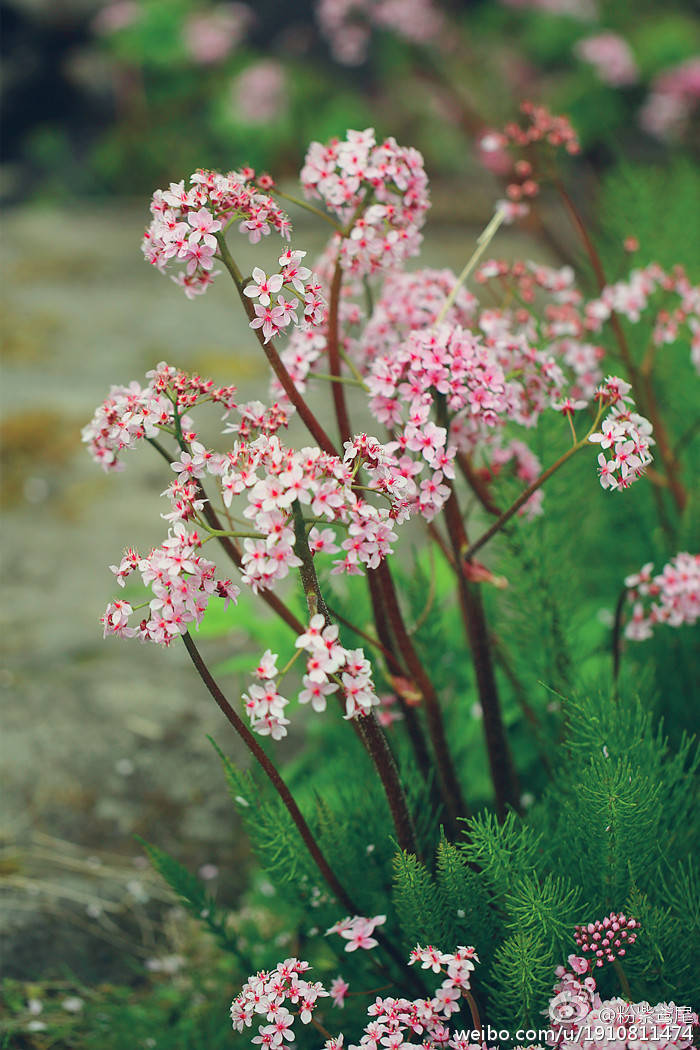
<point>307,207</point>
<point>524,496</point>
<point>353,368</point>
<point>482,243</point>
<point>622,978</point>
<point>350,380</point>
<point>617,634</point>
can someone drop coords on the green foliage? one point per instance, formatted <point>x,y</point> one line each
<point>191,892</point>
<point>521,980</point>
<point>654,203</point>
<point>417,904</point>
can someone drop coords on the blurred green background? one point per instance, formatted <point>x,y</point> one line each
<point>115,98</point>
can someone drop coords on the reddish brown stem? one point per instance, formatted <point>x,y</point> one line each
<point>450,788</point>
<point>273,776</point>
<point>500,761</point>
<point>477,484</point>
<point>284,793</point>
<point>341,409</point>
<point>395,668</point>
<point>367,727</point>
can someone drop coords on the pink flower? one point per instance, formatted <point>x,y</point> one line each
<point>263,287</point>
<point>339,989</point>
<point>357,931</point>
<point>270,319</point>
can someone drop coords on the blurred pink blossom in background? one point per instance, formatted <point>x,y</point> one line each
<point>348,24</point>
<point>611,57</point>
<point>116,16</point>
<point>586,10</point>
<point>260,92</point>
<point>210,36</point>
<point>674,95</point>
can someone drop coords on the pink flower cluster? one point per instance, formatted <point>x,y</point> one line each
<point>329,666</point>
<point>259,94</point>
<point>580,1019</point>
<point>672,597</point>
<point>357,931</point>
<point>632,297</point>
<point>540,127</point>
<point>182,582</point>
<point>674,97</point>
<point>624,435</point>
<point>269,994</point>
<point>583,9</point>
<point>611,57</point>
<point>379,191</point>
<point>347,24</point>
<point>211,35</point>
<point>606,939</point>
<point>562,323</point>
<point>185,222</point>
<point>299,282</point>
<point>407,373</point>
<point>132,413</point>
<point>316,480</point>
<point>393,1021</point>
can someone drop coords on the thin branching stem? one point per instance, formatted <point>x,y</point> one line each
<point>640,377</point>
<point>308,418</point>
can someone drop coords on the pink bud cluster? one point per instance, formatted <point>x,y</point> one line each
<point>606,939</point>
<point>631,298</point>
<point>269,995</point>
<point>539,127</point>
<point>347,24</point>
<point>132,413</point>
<point>357,931</point>
<point>185,223</point>
<point>624,434</point>
<point>580,1019</point>
<point>379,191</point>
<point>182,582</point>
<point>329,667</point>
<point>671,597</point>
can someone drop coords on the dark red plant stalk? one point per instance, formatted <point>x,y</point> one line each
<point>500,760</point>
